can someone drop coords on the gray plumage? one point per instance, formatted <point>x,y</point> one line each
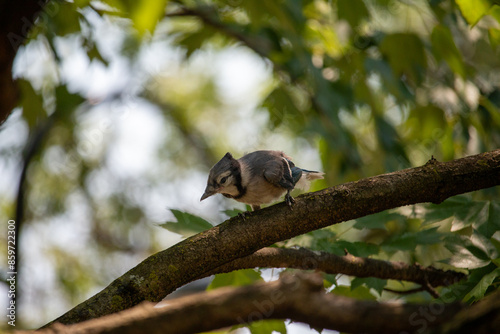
<point>258,178</point>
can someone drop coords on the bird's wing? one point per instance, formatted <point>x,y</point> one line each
<point>278,172</point>
<point>296,174</point>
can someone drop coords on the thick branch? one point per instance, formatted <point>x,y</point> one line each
<point>333,264</point>
<point>300,298</point>
<point>163,272</point>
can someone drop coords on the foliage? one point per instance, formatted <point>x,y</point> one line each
<point>372,85</point>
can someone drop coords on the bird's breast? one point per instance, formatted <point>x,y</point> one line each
<point>261,192</point>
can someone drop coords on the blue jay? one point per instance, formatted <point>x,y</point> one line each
<point>258,178</point>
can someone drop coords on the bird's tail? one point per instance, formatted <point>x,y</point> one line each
<point>307,176</point>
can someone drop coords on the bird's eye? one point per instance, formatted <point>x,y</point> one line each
<point>223,180</point>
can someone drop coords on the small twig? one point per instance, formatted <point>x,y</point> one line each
<point>405,292</point>
<point>429,288</point>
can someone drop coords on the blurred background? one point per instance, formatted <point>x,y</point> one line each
<point>125,105</point>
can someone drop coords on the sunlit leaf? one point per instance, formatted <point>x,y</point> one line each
<point>267,326</point>
<point>466,254</point>
<point>147,13</point>
<point>473,10</point>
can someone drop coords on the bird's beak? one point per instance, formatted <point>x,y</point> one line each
<point>209,191</point>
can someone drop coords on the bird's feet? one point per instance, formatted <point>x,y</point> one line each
<point>289,201</point>
<point>244,215</point>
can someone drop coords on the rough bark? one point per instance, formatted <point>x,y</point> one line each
<point>300,298</point>
<point>163,272</point>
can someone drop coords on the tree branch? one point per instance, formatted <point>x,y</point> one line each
<point>299,298</point>
<point>163,272</point>
<point>208,15</point>
<point>333,264</point>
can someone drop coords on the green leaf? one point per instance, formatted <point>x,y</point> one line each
<point>267,327</point>
<point>67,101</point>
<point>82,3</point>
<point>484,278</point>
<point>426,123</point>
<point>147,13</point>
<point>389,139</point>
<point>371,282</point>
<point>323,240</point>
<point>361,292</point>
<point>193,41</point>
<point>486,220</point>
<point>473,10</point>
<point>67,19</point>
<point>280,104</point>
<point>353,11</point>
<point>391,84</point>
<point>32,104</point>
<point>235,278</point>
<point>406,55</point>
<point>187,224</point>
<point>404,242</point>
<point>378,220</point>
<point>463,209</point>
<point>362,249</point>
<point>494,36</point>
<point>94,54</point>
<point>233,213</point>
<point>465,253</point>
<point>428,236</point>
<point>408,241</point>
<point>445,49</point>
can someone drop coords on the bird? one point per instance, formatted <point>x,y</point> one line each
<point>257,178</point>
